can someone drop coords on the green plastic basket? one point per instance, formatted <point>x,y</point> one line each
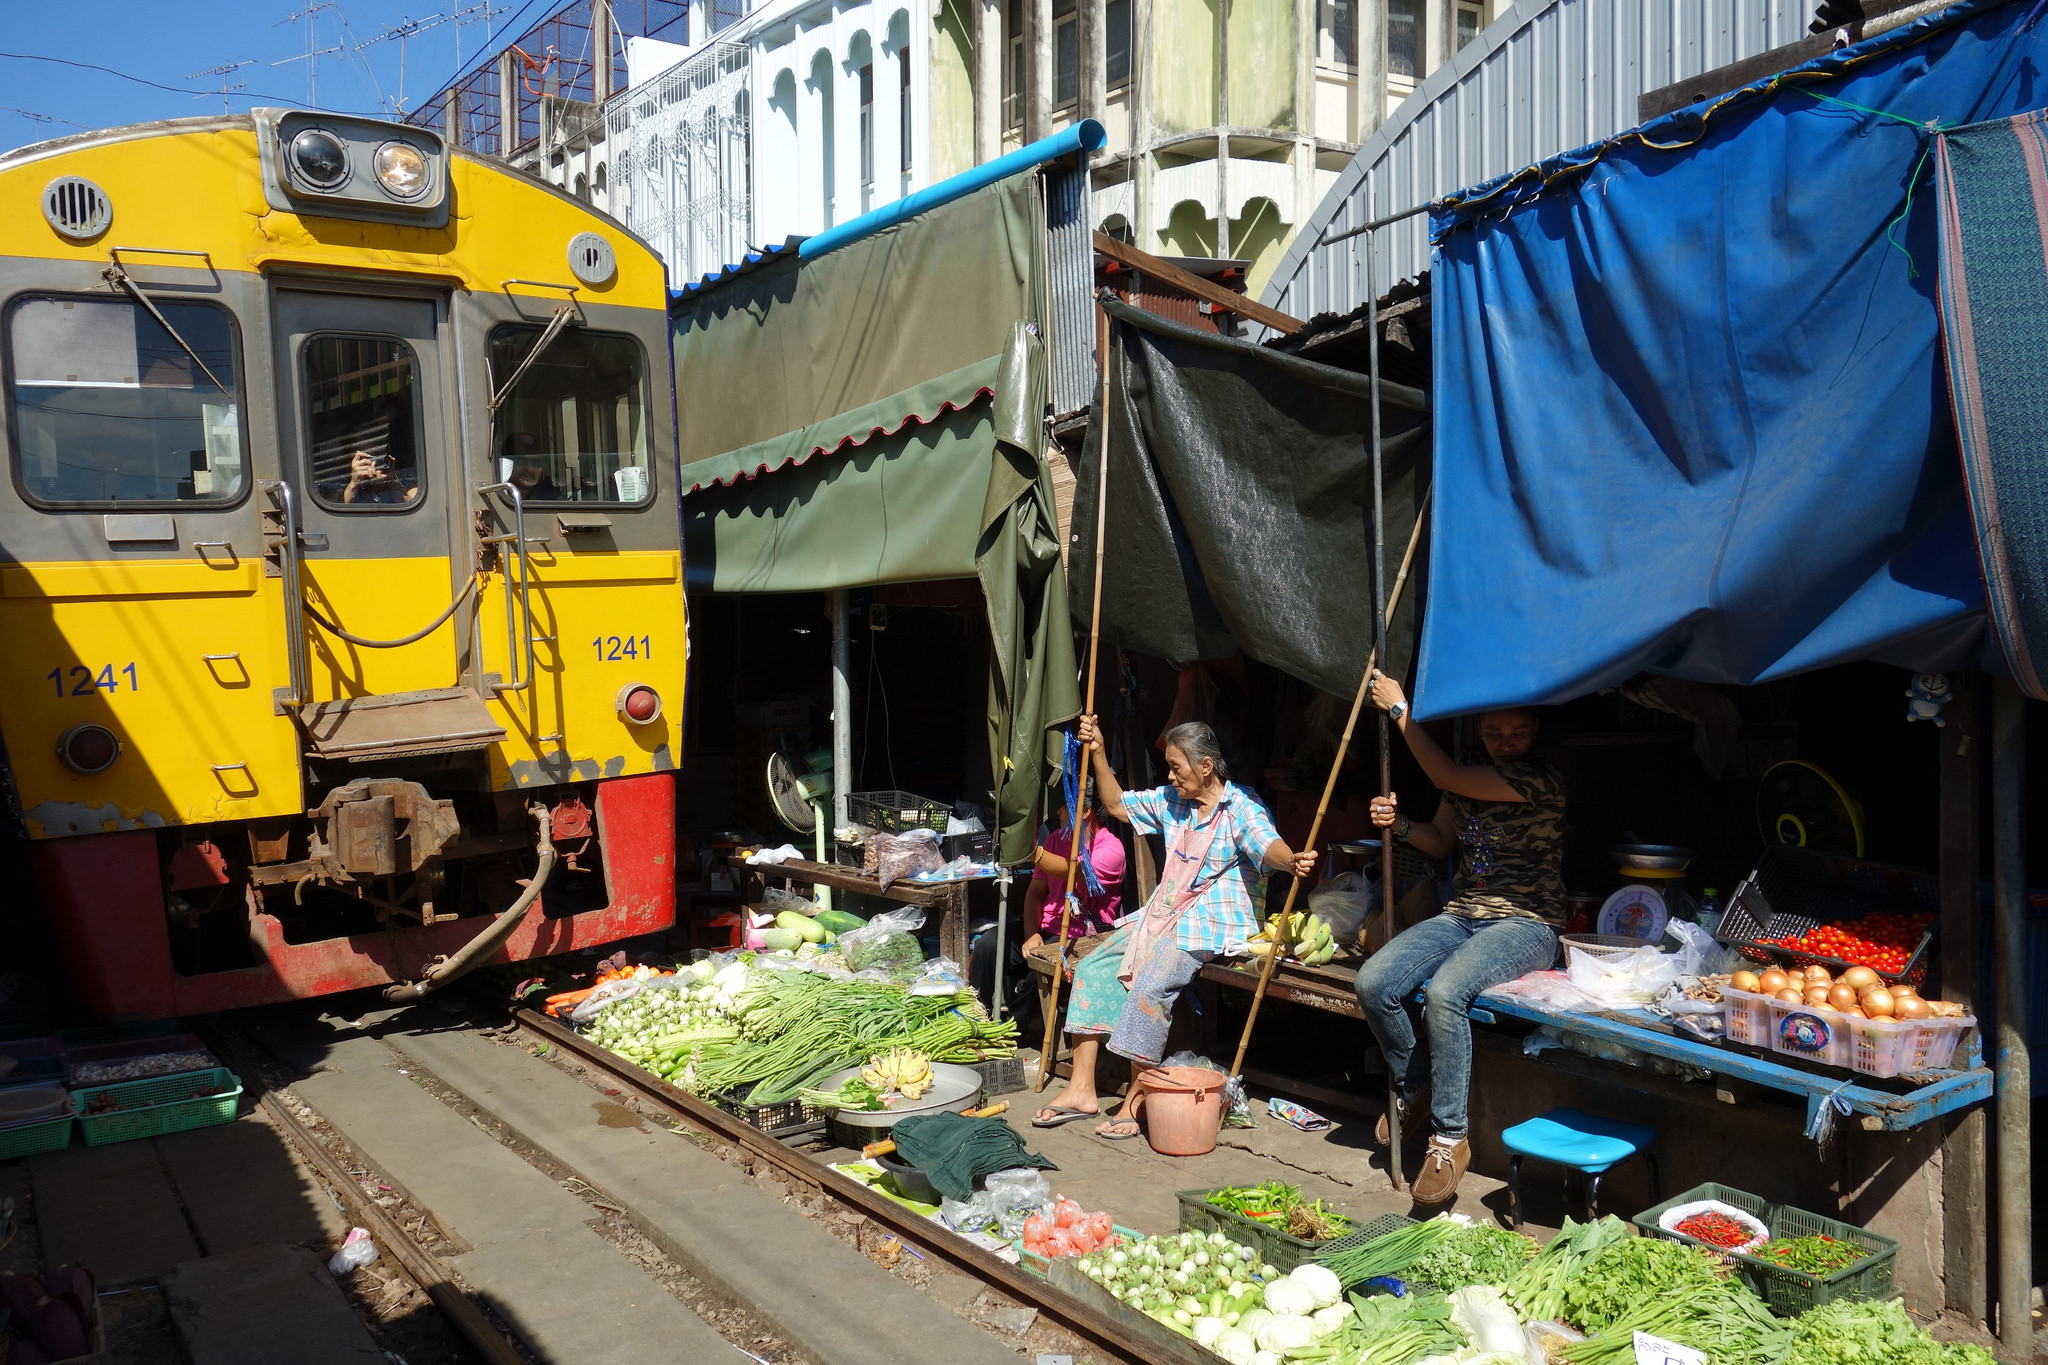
<point>1790,1292</point>
<point>159,1105</point>
<point>1277,1248</point>
<point>43,1135</point>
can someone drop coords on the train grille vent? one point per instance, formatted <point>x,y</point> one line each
<point>77,208</point>
<point>591,259</point>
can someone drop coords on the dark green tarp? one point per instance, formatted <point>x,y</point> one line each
<point>1240,504</point>
<point>875,416</point>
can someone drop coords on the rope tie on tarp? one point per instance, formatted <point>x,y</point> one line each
<point>1070,787</point>
<point>1931,126</point>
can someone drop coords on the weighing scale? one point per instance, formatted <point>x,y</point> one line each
<point>1653,892</point>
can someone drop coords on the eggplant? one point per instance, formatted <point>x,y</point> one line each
<point>19,1293</point>
<point>26,1352</point>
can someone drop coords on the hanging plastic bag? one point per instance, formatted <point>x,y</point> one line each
<point>1342,903</point>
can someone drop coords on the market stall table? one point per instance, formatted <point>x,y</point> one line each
<point>1925,1096</point>
<point>949,898</point>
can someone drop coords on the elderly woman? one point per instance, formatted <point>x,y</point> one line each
<point>1218,838</point>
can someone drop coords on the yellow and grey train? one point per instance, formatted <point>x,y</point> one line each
<point>340,571</point>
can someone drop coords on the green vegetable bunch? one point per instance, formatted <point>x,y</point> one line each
<point>1859,1332</point>
<point>1476,1254</point>
<point>1637,1271</point>
<point>1281,1205</point>
<point>1390,1254</point>
<point>1719,1317</point>
<point>1537,1290</point>
<point>1385,1330</point>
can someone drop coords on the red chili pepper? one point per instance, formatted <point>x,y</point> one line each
<point>1716,1229</point>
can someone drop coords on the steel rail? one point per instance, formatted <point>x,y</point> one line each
<point>1097,1327</point>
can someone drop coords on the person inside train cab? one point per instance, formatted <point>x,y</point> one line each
<point>375,478</point>
<point>530,473</point>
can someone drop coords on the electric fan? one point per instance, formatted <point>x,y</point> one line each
<point>803,800</point>
<point>1800,805</point>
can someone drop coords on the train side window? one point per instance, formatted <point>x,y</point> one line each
<point>108,407</point>
<point>363,423</point>
<point>574,428</point>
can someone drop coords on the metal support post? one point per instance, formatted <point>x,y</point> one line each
<point>2014,1072</point>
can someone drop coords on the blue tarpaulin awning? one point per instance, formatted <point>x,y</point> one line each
<point>1691,415</point>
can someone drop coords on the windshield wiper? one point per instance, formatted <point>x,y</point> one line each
<point>115,275</point>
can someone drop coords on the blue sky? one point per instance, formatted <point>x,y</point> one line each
<point>169,43</point>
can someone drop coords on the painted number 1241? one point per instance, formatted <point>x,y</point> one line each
<point>613,647</point>
<point>80,681</point>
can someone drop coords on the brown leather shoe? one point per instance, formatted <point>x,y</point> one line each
<point>1442,1169</point>
<point>1414,1114</point>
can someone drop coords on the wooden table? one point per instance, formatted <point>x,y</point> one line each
<point>949,898</point>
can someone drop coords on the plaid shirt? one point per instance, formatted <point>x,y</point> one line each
<point>1225,910</point>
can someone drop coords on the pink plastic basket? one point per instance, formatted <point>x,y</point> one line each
<point>1891,1047</point>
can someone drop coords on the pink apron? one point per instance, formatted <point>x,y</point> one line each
<point>1180,884</point>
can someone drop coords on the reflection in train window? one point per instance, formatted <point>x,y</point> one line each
<point>109,407</point>
<point>362,413</point>
<point>574,428</point>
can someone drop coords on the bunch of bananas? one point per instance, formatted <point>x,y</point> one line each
<point>901,1069</point>
<point>1311,939</point>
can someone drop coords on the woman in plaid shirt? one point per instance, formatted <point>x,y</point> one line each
<point>1219,840</point>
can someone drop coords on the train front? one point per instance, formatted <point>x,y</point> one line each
<point>340,572</point>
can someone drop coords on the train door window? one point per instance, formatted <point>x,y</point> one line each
<point>362,411</point>
<point>109,407</point>
<point>574,427</point>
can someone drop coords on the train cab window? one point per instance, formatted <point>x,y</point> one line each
<point>574,427</point>
<point>109,407</point>
<point>362,409</point>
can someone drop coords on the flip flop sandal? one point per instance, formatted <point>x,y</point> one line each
<point>1061,1114</point>
<point>1121,1137</point>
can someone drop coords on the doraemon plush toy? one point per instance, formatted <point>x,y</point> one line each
<point>1929,693</point>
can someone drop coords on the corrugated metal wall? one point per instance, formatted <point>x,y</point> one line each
<point>1070,261</point>
<point>1546,77</point>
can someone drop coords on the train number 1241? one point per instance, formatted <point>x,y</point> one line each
<point>613,647</point>
<point>80,681</point>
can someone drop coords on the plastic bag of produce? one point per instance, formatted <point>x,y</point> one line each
<point>1626,981</point>
<point>887,941</point>
<point>968,1215</point>
<point>1017,1194</point>
<point>940,976</point>
<point>619,988</point>
<point>1342,903</point>
<point>901,856</point>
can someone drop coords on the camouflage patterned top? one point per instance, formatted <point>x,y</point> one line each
<point>1511,853</point>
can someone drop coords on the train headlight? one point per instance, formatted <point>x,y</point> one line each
<point>88,749</point>
<point>639,704</point>
<point>401,169</point>
<point>320,159</point>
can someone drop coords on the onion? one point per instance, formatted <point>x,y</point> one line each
<point>1815,995</point>
<point>1791,997</point>
<point>1841,995</point>
<point>1878,1003</point>
<point>1857,1011</point>
<point>1774,981</point>
<point>1910,1007</point>
<point>1862,978</point>
<point>1903,991</point>
<point>1821,974</point>
<point>1746,981</point>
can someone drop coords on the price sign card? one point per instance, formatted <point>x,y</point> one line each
<point>1657,1351</point>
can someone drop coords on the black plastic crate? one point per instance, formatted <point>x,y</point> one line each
<point>791,1118</point>
<point>1793,890</point>
<point>896,812</point>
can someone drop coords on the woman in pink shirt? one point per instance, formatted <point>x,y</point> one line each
<point>1095,913</point>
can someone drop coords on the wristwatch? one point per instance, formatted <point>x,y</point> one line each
<point>1397,710</point>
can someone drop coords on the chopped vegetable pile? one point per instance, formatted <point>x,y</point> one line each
<point>1282,1205</point>
<point>1476,1253</point>
<point>1815,1255</point>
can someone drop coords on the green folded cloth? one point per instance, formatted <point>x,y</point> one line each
<point>954,1151</point>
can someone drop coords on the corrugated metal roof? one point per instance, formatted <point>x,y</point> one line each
<point>1546,77</point>
<point>752,261</point>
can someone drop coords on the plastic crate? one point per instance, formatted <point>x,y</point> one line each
<point>1041,1266</point>
<point>160,1105</point>
<point>894,812</point>
<point>38,1061</point>
<point>1277,1247</point>
<point>790,1118</point>
<point>38,1135</point>
<point>1792,890</point>
<point>1747,1015</point>
<point>1890,1047</point>
<point>1000,1076</point>
<point>1790,1292</point>
<point>136,1050</point>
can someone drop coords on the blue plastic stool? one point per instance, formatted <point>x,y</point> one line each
<point>1586,1143</point>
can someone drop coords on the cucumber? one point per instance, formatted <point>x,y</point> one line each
<point>779,939</point>
<point>803,925</point>
<point>840,921</point>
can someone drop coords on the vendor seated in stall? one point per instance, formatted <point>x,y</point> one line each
<point>1096,912</point>
<point>1505,819</point>
<point>1218,838</point>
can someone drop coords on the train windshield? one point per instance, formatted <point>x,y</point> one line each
<point>362,396</point>
<point>109,407</point>
<point>574,427</point>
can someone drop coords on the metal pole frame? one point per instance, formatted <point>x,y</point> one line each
<point>2013,1064</point>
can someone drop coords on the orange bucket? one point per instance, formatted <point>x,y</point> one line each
<point>1183,1109</point>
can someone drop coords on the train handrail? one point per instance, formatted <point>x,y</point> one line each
<point>525,604</point>
<point>280,494</point>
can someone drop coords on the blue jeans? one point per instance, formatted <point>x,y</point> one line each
<point>1459,957</point>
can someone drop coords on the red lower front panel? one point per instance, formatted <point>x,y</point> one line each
<point>104,894</point>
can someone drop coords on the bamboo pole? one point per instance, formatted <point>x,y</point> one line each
<point>1048,1055</point>
<point>1285,939</point>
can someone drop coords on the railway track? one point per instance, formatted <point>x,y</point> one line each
<point>392,1097</point>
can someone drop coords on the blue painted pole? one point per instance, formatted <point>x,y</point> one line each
<point>1087,135</point>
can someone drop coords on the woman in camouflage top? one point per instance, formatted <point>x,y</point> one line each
<point>1505,822</point>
